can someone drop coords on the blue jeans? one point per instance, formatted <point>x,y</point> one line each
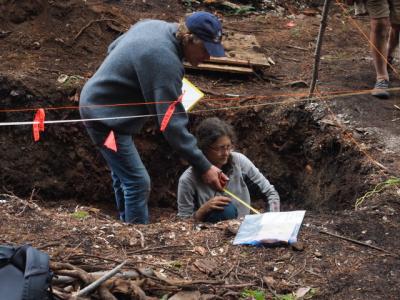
<point>229,212</point>
<point>131,182</point>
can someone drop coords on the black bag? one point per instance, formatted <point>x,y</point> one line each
<point>24,274</point>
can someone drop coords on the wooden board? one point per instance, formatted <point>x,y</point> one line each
<point>220,68</point>
<point>244,47</point>
<point>243,56</point>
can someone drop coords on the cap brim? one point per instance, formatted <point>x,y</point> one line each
<point>213,49</point>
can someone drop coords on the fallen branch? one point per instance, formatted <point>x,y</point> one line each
<point>154,248</point>
<point>358,242</point>
<point>62,280</point>
<point>290,58</point>
<point>105,294</point>
<point>297,47</point>
<point>61,294</point>
<point>94,285</point>
<point>51,244</point>
<point>88,25</point>
<point>184,283</point>
<point>228,272</point>
<point>137,291</point>
<point>240,285</point>
<point>95,256</point>
<point>70,270</point>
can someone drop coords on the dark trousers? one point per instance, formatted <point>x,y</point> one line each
<point>229,212</point>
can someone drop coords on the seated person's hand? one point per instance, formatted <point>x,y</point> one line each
<point>274,206</point>
<point>217,203</point>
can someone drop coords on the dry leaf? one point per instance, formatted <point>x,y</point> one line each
<point>301,292</point>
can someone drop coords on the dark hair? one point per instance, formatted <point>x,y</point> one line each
<point>210,130</point>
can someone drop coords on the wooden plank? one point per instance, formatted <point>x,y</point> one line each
<point>238,62</point>
<point>220,68</point>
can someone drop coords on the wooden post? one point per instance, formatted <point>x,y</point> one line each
<point>318,46</point>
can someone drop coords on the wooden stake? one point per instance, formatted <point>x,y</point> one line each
<point>318,46</point>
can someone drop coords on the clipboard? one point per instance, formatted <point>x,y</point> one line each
<point>191,94</point>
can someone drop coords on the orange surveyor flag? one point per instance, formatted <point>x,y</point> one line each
<point>168,114</point>
<point>38,126</point>
<point>110,142</point>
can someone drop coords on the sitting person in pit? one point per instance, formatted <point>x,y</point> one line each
<point>195,199</point>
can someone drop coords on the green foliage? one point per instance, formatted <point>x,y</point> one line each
<point>285,297</point>
<point>393,181</point>
<point>248,294</point>
<point>295,32</point>
<point>252,295</point>
<point>311,293</point>
<point>80,214</point>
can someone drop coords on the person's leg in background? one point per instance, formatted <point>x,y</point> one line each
<point>379,38</point>
<point>119,196</point>
<point>394,33</point>
<point>130,180</point>
<point>379,19</point>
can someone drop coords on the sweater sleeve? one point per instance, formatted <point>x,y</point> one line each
<point>256,177</point>
<point>162,85</point>
<point>186,197</point>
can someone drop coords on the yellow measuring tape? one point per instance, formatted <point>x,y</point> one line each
<point>241,201</point>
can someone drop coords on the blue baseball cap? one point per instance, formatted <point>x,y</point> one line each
<point>208,28</point>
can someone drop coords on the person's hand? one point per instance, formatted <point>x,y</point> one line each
<point>274,206</point>
<point>216,203</point>
<point>215,178</point>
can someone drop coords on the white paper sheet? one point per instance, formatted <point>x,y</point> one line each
<point>268,228</point>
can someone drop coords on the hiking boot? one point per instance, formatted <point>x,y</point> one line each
<point>381,89</point>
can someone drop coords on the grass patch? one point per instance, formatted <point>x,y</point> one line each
<point>391,182</point>
<point>80,214</point>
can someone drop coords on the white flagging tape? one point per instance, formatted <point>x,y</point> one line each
<point>152,115</point>
<point>320,98</point>
<point>71,121</point>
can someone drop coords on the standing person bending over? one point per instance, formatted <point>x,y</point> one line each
<point>145,65</point>
<point>215,138</point>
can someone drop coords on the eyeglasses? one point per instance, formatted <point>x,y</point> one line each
<point>222,149</point>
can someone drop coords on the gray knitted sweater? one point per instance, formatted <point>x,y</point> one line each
<point>142,65</point>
